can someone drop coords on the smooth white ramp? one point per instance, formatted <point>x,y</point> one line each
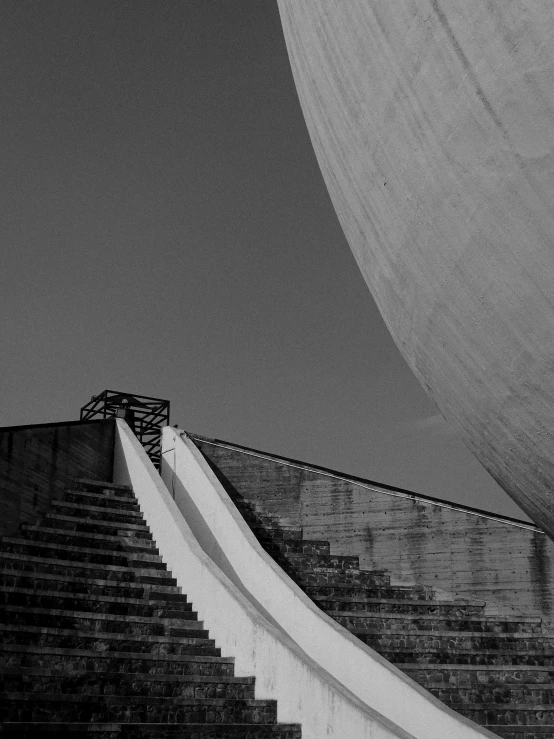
<point>226,538</point>
<point>305,692</point>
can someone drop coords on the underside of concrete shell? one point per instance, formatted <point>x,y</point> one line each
<point>433,125</point>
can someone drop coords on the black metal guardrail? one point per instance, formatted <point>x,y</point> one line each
<point>146,416</point>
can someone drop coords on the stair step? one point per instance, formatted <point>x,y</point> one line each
<point>119,573</point>
<point>34,730</point>
<point>298,546</point>
<point>378,622</point>
<point>533,695</point>
<point>351,592</point>
<point>33,601</point>
<point>498,657</point>
<point>517,731</point>
<point>324,562</point>
<point>100,499</point>
<point>17,545</point>
<point>107,641</point>
<point>86,539</point>
<point>330,576</point>
<point>90,586</point>
<point>125,662</point>
<point>96,685</point>
<point>54,707</point>
<point>113,486</point>
<point>369,606</point>
<point>96,525</point>
<point>93,512</point>
<point>89,620</point>
<point>26,680</point>
<point>500,715</point>
<point>447,640</point>
<point>465,675</point>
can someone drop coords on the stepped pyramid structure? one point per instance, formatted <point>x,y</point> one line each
<point>206,602</point>
<point>97,634</point>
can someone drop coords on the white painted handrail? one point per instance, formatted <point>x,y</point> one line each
<point>225,537</point>
<point>305,692</point>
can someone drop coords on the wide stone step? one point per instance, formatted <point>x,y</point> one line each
<point>298,546</point>
<point>522,732</point>
<point>84,483</point>
<point>124,662</point>
<point>101,499</point>
<point>368,606</point>
<point>85,682</point>
<point>91,587</point>
<point>102,513</point>
<point>16,545</point>
<point>497,695</point>
<point>447,640</point>
<point>349,592</point>
<point>376,623</point>
<point>64,538</point>
<point>521,715</point>
<point>143,574</point>
<point>52,707</point>
<point>95,526</point>
<point>324,562</point>
<point>106,641</point>
<point>27,598</point>
<point>153,731</point>
<point>331,576</point>
<point>108,622</point>
<point>462,676</point>
<point>468,656</point>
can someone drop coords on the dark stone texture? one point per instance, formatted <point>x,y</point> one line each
<point>157,731</point>
<point>496,670</point>
<point>434,543</point>
<point>37,463</point>
<point>96,635</point>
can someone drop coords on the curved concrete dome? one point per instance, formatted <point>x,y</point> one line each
<point>433,123</point>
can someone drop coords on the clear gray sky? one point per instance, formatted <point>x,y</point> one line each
<point>165,230</point>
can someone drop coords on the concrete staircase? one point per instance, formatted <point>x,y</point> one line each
<point>496,670</point>
<point>97,638</point>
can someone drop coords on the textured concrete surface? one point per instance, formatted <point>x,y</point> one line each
<point>38,462</point>
<point>432,121</point>
<point>417,541</point>
<point>492,668</point>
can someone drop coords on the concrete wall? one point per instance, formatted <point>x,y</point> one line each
<point>38,462</point>
<point>469,554</point>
